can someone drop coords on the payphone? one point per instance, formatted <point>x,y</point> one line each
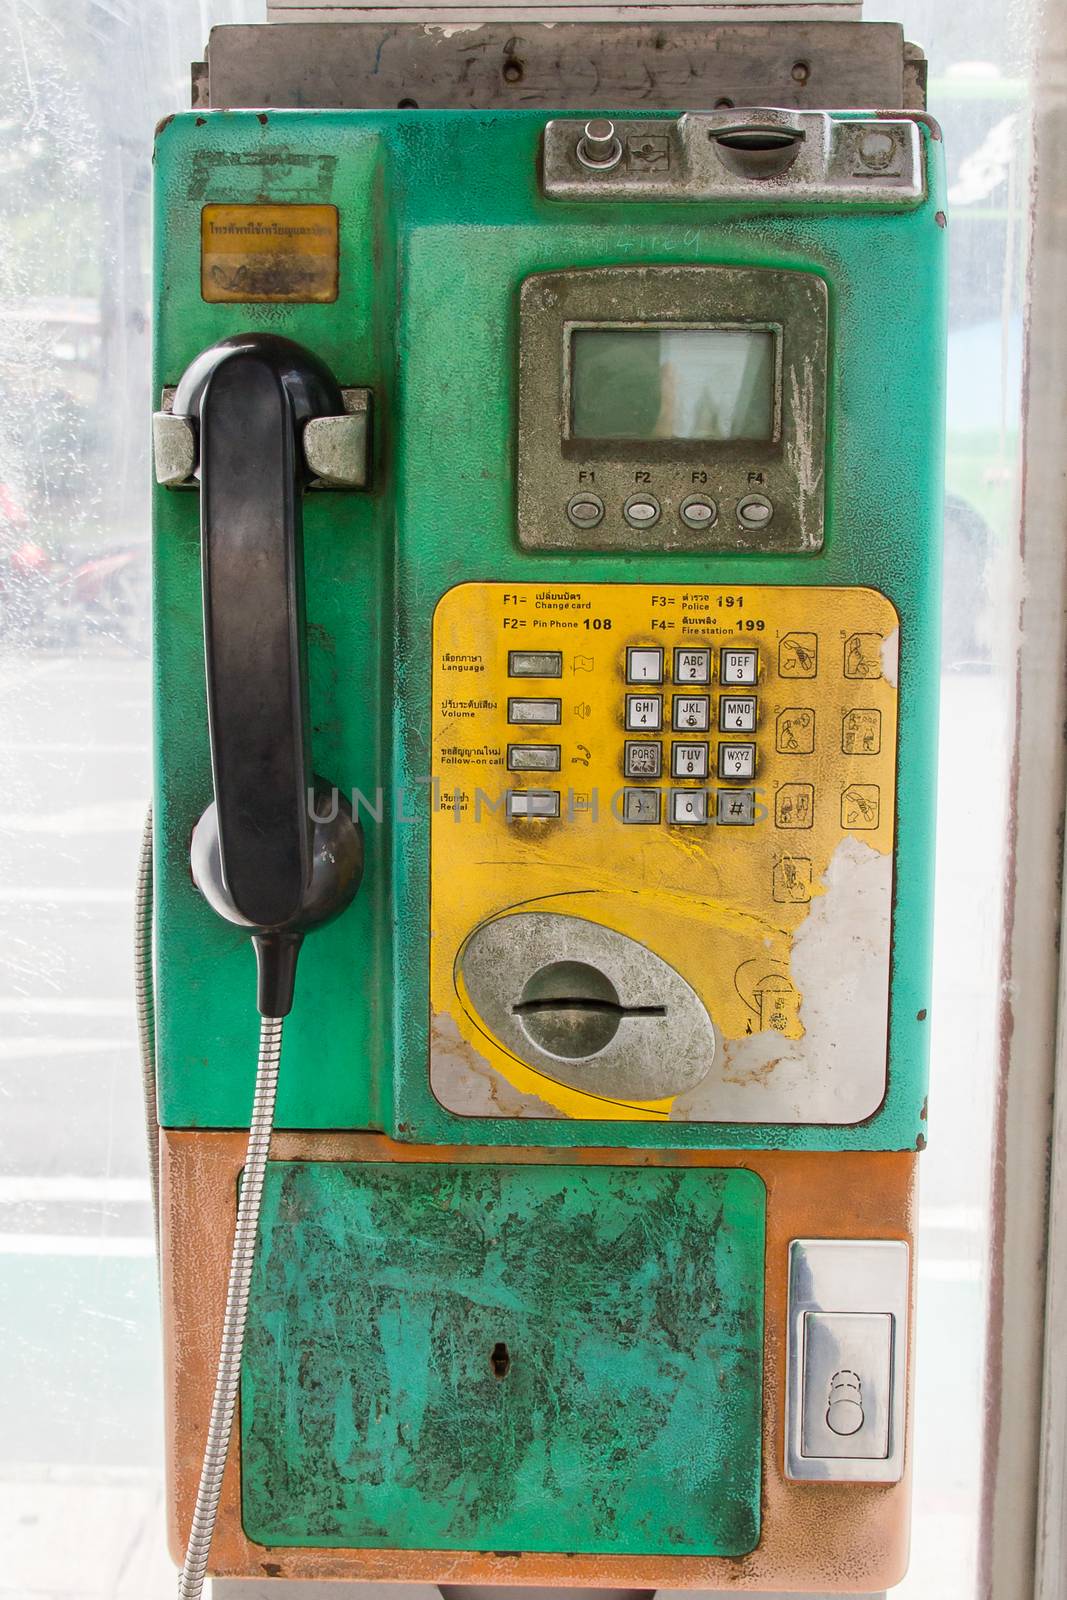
<point>554,499</point>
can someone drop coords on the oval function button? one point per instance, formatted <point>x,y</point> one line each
<point>755,511</point>
<point>699,512</point>
<point>641,511</point>
<point>585,510</point>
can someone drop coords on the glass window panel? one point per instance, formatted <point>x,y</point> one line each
<point>82,83</point>
<point>979,91</point>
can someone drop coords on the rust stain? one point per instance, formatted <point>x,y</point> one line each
<point>922,117</point>
<point>941,219</point>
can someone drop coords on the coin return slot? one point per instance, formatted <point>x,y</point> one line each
<point>571,1009</point>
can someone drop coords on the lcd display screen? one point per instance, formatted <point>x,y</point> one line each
<point>672,383</point>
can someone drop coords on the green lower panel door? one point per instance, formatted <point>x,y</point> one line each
<point>537,1358</point>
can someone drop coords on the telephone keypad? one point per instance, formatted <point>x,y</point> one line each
<point>644,713</point>
<point>642,758</point>
<point>690,713</point>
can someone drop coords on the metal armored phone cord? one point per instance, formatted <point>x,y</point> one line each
<point>146,1021</point>
<point>228,1374</point>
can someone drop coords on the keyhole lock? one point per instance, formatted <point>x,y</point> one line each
<point>844,1411</point>
<point>571,1009</point>
<point>500,1360</point>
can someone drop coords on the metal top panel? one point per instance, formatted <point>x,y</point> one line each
<point>576,65</point>
<point>453,11</point>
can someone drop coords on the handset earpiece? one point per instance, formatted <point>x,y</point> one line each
<point>278,851</point>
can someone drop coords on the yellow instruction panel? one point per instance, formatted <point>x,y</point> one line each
<point>661,851</point>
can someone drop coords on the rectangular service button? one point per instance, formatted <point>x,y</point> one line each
<point>543,711</point>
<point>533,757</point>
<point>533,803</point>
<point>535,663</point>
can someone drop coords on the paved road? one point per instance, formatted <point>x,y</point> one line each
<point>79,1385</point>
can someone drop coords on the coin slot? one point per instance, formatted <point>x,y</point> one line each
<point>572,1009</point>
<point>757,152</point>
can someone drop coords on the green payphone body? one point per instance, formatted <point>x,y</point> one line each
<point>585,1250</point>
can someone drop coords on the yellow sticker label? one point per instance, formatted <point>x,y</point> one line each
<point>268,253</point>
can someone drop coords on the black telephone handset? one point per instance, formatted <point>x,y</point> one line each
<point>261,855</point>
<point>277,852</point>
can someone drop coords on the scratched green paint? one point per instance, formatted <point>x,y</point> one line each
<point>441,219</point>
<point>630,1303</point>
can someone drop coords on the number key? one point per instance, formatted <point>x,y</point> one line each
<point>739,666</point>
<point>737,713</point>
<point>691,713</point>
<point>643,758</point>
<point>737,761</point>
<point>644,712</point>
<point>689,760</point>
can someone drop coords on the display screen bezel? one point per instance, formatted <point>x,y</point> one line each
<point>554,465</point>
<point>669,447</point>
